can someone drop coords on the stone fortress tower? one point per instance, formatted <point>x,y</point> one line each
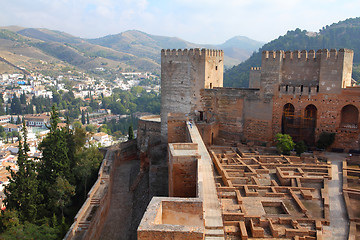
<point>303,72</point>
<point>183,74</point>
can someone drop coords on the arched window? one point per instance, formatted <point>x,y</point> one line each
<point>349,117</point>
<point>287,117</point>
<point>288,110</point>
<point>310,112</point>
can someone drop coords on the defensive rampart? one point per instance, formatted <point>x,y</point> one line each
<point>91,217</point>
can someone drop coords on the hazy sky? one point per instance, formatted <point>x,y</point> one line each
<point>199,21</point>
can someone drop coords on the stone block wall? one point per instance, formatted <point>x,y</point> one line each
<point>90,219</point>
<point>301,72</point>
<point>183,74</point>
<point>328,119</point>
<point>183,159</point>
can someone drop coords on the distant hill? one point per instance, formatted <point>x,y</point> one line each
<point>344,34</point>
<point>55,52</point>
<point>146,45</point>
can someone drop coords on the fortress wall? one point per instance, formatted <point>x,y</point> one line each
<point>257,120</point>
<point>329,108</point>
<point>300,68</point>
<point>148,135</point>
<point>293,72</point>
<point>183,74</point>
<point>271,64</point>
<point>89,221</point>
<point>148,131</point>
<point>335,70</point>
<point>226,107</point>
<point>254,77</point>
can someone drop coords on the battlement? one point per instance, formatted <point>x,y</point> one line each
<point>192,52</point>
<point>255,69</point>
<point>306,55</point>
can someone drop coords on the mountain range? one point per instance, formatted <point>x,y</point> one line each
<point>52,51</point>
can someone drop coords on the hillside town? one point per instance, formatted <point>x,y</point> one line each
<point>37,123</point>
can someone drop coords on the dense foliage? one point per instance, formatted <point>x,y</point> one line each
<point>44,195</point>
<point>345,34</point>
<point>284,143</point>
<point>325,140</point>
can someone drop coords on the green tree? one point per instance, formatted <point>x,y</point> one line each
<point>325,140</point>
<point>90,128</point>
<point>89,162</point>
<point>83,117</point>
<point>23,98</point>
<point>284,143</point>
<point>77,124</point>
<point>15,106</point>
<point>22,191</point>
<point>87,118</point>
<point>18,120</point>
<point>55,161</point>
<point>30,231</point>
<point>61,193</point>
<point>131,132</point>
<point>300,147</point>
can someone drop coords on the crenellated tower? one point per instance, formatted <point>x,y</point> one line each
<point>303,72</point>
<point>183,74</point>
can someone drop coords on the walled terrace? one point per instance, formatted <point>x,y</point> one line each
<point>351,191</point>
<point>271,196</point>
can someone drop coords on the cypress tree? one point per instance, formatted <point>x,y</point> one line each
<point>22,191</point>
<point>82,117</point>
<point>131,132</point>
<point>87,118</point>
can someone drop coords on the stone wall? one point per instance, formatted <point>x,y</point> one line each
<point>324,71</point>
<point>148,131</point>
<point>321,79</point>
<point>183,74</point>
<point>89,220</point>
<point>226,107</point>
<point>328,117</point>
<point>176,127</point>
<point>183,158</point>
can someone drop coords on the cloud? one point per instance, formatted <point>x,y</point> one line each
<point>202,21</point>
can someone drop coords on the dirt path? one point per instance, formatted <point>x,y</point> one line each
<point>339,225</point>
<point>118,221</point>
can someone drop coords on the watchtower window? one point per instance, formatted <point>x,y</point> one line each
<point>201,117</point>
<point>302,88</point>
<point>216,67</point>
<point>349,117</point>
<point>211,86</point>
<point>287,88</point>
<point>317,88</point>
